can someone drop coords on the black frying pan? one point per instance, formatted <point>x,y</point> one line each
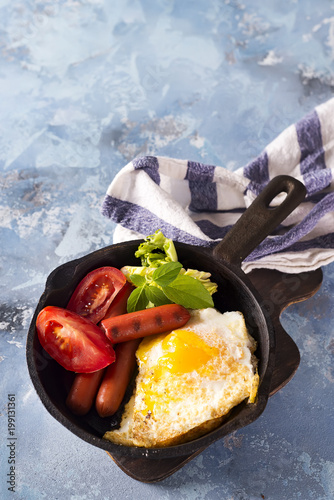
<point>235,292</point>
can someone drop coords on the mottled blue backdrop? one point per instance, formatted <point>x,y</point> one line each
<point>87,85</point>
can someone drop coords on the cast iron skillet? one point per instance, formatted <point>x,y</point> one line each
<point>235,292</point>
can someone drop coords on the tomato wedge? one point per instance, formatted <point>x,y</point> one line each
<point>73,341</point>
<point>95,292</point>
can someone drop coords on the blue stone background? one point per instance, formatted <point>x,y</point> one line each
<point>87,85</point>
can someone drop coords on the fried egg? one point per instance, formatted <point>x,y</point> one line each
<point>188,380</point>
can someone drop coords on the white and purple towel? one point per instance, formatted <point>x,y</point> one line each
<point>197,204</point>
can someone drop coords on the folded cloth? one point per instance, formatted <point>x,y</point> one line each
<point>196,203</point>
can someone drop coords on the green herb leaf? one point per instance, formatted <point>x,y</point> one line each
<point>156,250</point>
<point>165,274</point>
<point>138,280</point>
<point>156,296</point>
<point>137,300</point>
<point>189,293</point>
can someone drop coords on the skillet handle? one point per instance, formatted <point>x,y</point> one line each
<point>259,220</point>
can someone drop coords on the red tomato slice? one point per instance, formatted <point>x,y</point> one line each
<point>94,294</point>
<point>74,342</point>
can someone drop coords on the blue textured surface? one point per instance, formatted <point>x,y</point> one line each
<point>85,87</point>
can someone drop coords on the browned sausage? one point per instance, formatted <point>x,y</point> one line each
<point>85,385</point>
<point>146,322</point>
<point>83,391</point>
<point>116,379</point>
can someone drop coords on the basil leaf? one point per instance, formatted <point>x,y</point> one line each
<point>166,273</point>
<point>189,293</point>
<point>138,280</point>
<point>156,296</point>
<point>137,300</point>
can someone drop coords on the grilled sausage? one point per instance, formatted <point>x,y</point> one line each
<point>83,391</point>
<point>116,379</point>
<point>146,322</point>
<point>86,385</point>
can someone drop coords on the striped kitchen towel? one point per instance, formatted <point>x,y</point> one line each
<point>197,203</point>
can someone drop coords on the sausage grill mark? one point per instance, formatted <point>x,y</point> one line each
<point>146,322</point>
<point>158,320</point>
<point>115,331</point>
<point>136,325</point>
<point>178,316</point>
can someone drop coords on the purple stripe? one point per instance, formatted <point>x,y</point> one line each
<point>216,232</point>
<point>150,165</point>
<point>317,181</point>
<point>325,241</point>
<point>312,154</point>
<point>145,222</point>
<point>316,197</point>
<point>290,240</point>
<point>258,173</point>
<point>202,188</point>
<point>212,230</point>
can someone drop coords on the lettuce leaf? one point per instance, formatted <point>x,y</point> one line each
<point>162,279</point>
<point>156,250</point>
<point>203,277</point>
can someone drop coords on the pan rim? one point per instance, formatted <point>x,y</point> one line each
<point>250,412</point>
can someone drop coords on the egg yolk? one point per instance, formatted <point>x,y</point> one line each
<point>183,352</point>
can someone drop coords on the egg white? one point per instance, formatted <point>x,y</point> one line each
<point>179,395</point>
